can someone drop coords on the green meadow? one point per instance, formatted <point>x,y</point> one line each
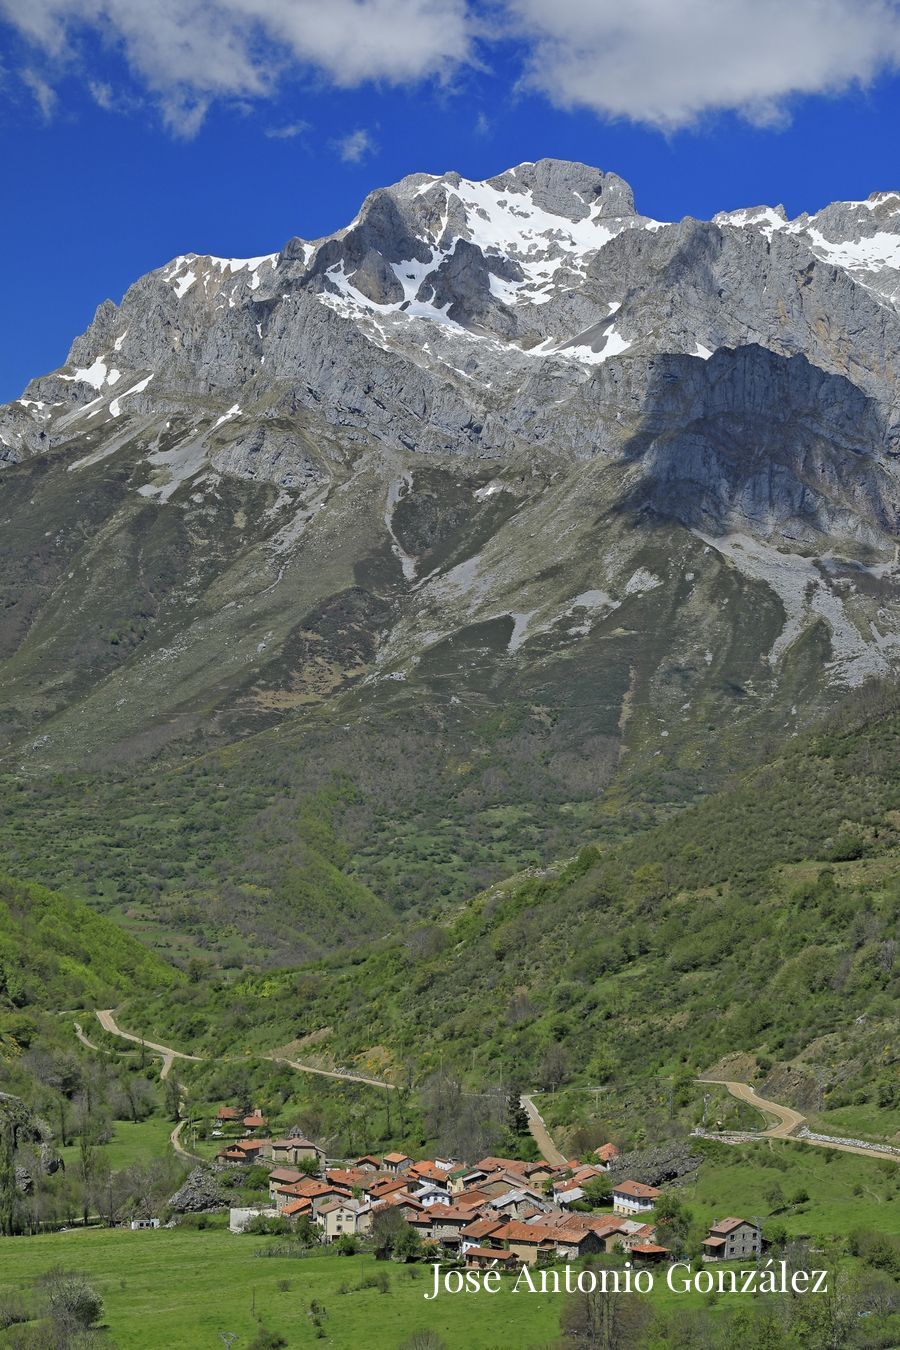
<point>183,1288</point>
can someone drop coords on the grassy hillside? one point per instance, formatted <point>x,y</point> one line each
<point>55,953</point>
<point>762,921</point>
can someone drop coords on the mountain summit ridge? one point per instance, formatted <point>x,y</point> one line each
<point>509,417</point>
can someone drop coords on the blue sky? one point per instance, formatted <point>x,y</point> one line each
<point>125,142</point>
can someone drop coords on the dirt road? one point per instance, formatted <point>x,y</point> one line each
<point>546,1147</point>
<point>79,1032</point>
<point>788,1121</point>
<point>109,1023</point>
<point>331,1073</point>
<point>175,1141</point>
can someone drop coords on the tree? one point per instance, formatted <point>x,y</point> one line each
<point>72,1303</point>
<point>554,1068</point>
<point>8,1194</point>
<point>173,1098</point>
<point>598,1192</point>
<point>673,1220</point>
<point>516,1115</point>
<point>408,1244</point>
<point>386,1228</point>
<point>605,1321</point>
<point>267,1340</point>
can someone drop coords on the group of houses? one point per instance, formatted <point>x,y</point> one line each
<point>501,1211</point>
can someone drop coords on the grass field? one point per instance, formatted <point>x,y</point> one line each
<point>183,1288</point>
<point>858,1122</point>
<point>131,1143</point>
<point>845,1190</point>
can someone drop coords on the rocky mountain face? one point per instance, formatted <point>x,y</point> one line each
<point>501,444</point>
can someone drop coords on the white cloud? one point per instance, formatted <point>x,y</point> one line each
<point>101,93</point>
<point>667,62</point>
<point>287,133</point>
<point>188,54</point>
<point>661,62</point>
<point>44,95</point>
<point>354,148</point>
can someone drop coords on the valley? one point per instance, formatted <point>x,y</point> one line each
<point>448,700</point>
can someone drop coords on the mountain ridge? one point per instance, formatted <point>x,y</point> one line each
<point>599,518</point>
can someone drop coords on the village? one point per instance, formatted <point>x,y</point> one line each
<point>495,1213</point>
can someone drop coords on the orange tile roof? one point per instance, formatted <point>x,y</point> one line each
<point>605,1152</point>
<point>427,1171</point>
<point>400,1200</point>
<point>297,1207</point>
<point>449,1212</point>
<point>603,1227</point>
<point>384,1185</point>
<point>396,1157</point>
<point>471,1199</point>
<point>637,1190</point>
<point>502,1165</point>
<point>574,1235</point>
<point>312,1188</point>
<point>348,1176</point>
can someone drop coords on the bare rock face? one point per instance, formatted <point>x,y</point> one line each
<point>527,422</point>
<point>667,1165</point>
<point>201,1193</point>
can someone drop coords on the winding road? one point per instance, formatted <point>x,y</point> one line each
<point>786,1118</point>
<point>79,1032</point>
<point>788,1121</point>
<point>784,1121</point>
<point>175,1141</point>
<point>108,1022</point>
